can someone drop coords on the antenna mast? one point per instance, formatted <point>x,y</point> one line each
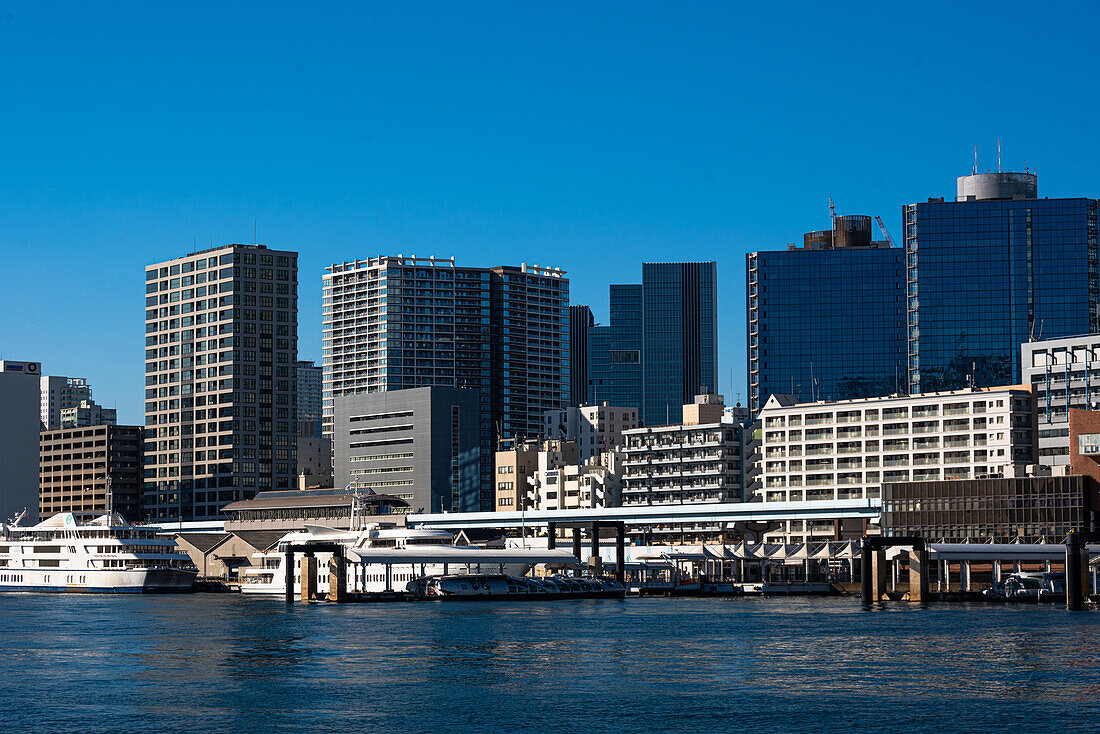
<point>975,159</point>
<point>998,155</point>
<point>832,222</point>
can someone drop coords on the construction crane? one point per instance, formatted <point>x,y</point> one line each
<point>885,234</point>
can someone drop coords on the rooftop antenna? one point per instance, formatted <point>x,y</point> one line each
<point>975,159</point>
<point>832,222</point>
<point>998,155</point>
<point>255,237</point>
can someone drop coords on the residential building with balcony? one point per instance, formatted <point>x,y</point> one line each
<point>1063,374</point>
<point>698,461</point>
<point>848,449</point>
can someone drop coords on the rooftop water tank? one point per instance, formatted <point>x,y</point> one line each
<point>991,186</point>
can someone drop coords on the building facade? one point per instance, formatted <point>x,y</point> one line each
<point>991,270</point>
<point>661,346</point>
<point>20,422</point>
<point>309,378</point>
<point>848,449</point>
<point>419,445</point>
<point>91,469</point>
<point>580,322</point>
<point>393,323</point>
<point>827,320</point>
<point>88,413</point>
<point>594,428</point>
<point>59,393</point>
<point>221,341</point>
<point>698,461</point>
<point>1063,374</point>
<point>1018,509</point>
<point>615,351</point>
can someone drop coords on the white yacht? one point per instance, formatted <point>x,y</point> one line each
<point>386,558</point>
<point>78,552</point>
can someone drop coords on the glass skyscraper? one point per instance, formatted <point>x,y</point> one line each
<point>989,271</point>
<point>827,320</point>
<point>661,346</point>
<point>615,351</point>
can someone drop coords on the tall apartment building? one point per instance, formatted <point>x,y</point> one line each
<point>221,341</point>
<point>1063,374</point>
<point>88,413</point>
<point>697,461</point>
<point>991,270</point>
<point>827,320</point>
<point>59,393</point>
<point>848,449</point>
<point>20,418</point>
<point>595,429</point>
<point>580,321</point>
<point>76,464</point>
<point>392,323</point>
<point>661,345</point>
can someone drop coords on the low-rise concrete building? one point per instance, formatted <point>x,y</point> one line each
<point>421,445</point>
<point>848,449</point>
<point>596,482</point>
<point>222,556</point>
<point>91,469</point>
<point>88,413</point>
<point>594,428</point>
<point>698,461</point>
<point>1063,374</point>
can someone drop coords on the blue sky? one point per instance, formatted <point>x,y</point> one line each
<point>589,136</point>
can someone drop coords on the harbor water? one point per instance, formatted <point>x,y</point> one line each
<point>229,663</point>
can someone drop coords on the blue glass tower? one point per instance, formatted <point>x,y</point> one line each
<point>661,346</point>
<point>991,270</point>
<point>827,320</point>
<point>615,351</point>
<point>679,337</point>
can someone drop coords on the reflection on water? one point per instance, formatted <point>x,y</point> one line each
<point>223,662</point>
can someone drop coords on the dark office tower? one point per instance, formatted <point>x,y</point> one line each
<point>392,323</point>
<point>309,378</point>
<point>991,270</point>
<point>580,322</point>
<point>615,352</point>
<point>661,346</point>
<point>827,320</point>
<point>221,340</point>
<point>679,337</point>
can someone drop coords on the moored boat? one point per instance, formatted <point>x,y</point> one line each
<point>87,553</point>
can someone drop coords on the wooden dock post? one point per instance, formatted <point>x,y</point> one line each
<point>337,578</point>
<point>918,575</point>
<point>309,577</point>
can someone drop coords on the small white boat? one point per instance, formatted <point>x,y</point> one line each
<point>75,552</point>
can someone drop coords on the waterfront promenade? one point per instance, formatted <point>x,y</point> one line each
<point>228,663</point>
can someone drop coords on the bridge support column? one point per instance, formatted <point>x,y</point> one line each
<point>551,535</point>
<point>337,578</point>
<point>289,575</point>
<point>595,560</point>
<point>577,549</point>
<point>309,577</point>
<point>918,576</point>
<point>1076,571</point>
<point>620,553</point>
<point>880,567</point>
